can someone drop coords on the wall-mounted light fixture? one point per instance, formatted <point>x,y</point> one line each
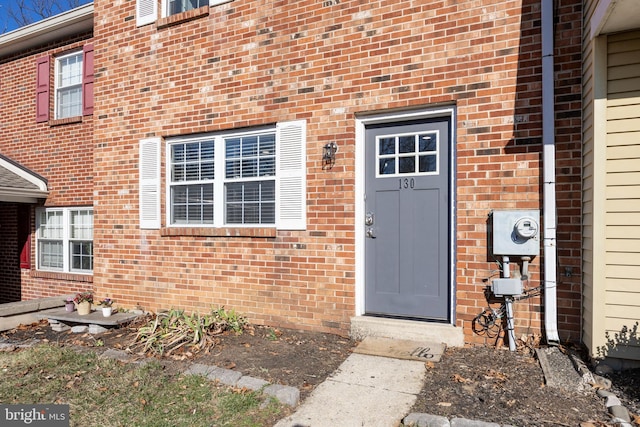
<point>329,155</point>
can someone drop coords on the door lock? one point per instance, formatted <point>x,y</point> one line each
<point>370,233</point>
<point>368,219</point>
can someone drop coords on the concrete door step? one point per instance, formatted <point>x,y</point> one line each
<point>401,349</point>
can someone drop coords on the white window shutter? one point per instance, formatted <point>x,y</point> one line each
<point>291,166</point>
<point>146,12</point>
<point>149,169</point>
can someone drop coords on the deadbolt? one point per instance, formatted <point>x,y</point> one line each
<point>368,219</point>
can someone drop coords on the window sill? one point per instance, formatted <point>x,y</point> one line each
<point>72,277</point>
<point>219,232</point>
<point>65,121</point>
<point>179,18</point>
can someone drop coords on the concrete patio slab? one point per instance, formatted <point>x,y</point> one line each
<point>93,318</point>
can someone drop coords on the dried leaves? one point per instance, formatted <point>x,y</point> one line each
<point>459,379</point>
<point>175,330</point>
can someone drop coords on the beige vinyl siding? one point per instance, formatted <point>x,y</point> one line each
<point>622,194</point>
<point>591,319</point>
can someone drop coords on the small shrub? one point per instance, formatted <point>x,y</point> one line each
<point>174,330</point>
<point>229,319</point>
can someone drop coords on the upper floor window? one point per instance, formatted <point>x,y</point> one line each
<point>65,239</point>
<point>72,85</point>
<point>147,10</point>
<point>68,85</point>
<point>179,6</point>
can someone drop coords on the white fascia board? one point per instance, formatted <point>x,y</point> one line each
<point>56,27</point>
<point>20,195</point>
<point>26,175</point>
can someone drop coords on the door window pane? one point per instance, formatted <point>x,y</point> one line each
<point>428,142</point>
<point>407,164</point>
<point>428,163</point>
<point>387,146</point>
<point>407,144</point>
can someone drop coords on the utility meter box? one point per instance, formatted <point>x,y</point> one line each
<point>502,287</point>
<point>516,232</point>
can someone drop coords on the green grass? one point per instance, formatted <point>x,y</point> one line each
<point>106,392</point>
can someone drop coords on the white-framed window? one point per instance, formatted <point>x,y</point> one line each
<point>147,10</point>
<point>68,85</point>
<point>179,6</point>
<point>65,239</point>
<point>243,178</point>
<point>242,192</point>
<point>250,179</point>
<point>192,172</point>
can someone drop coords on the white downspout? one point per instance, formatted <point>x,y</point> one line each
<point>549,175</point>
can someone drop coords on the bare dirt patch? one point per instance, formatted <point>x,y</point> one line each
<point>504,387</point>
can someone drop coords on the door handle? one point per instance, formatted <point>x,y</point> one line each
<point>370,233</point>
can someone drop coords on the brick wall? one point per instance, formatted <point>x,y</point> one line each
<point>568,89</point>
<point>9,255</point>
<point>62,154</point>
<point>260,62</point>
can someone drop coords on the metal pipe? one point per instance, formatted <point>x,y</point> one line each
<point>508,302</point>
<point>525,267</point>
<point>549,175</point>
<point>506,271</point>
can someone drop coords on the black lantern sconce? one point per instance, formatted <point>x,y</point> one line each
<point>329,155</point>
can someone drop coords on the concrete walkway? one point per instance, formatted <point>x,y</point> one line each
<point>364,391</point>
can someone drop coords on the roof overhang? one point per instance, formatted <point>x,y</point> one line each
<point>613,16</point>
<point>20,185</point>
<point>74,21</point>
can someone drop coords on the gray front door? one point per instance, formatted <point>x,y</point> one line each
<point>407,229</point>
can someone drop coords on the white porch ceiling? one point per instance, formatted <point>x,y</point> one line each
<point>613,16</point>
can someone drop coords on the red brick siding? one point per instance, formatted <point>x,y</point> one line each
<point>261,62</point>
<point>62,154</point>
<point>568,90</point>
<point>9,254</point>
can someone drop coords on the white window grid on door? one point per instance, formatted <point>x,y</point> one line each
<point>407,154</point>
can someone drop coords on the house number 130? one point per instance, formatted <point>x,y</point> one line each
<point>407,183</point>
